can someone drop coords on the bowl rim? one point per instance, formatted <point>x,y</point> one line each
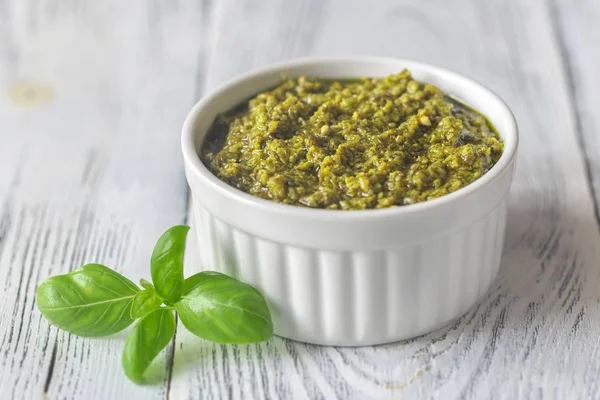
<point>197,167</point>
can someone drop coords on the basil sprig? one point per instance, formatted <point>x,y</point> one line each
<point>94,300</point>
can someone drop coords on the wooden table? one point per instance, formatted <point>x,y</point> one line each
<point>92,98</point>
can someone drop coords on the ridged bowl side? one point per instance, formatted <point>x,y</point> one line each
<point>356,298</point>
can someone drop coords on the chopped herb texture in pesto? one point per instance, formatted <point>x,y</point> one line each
<point>351,144</point>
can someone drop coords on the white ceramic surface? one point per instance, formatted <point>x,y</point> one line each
<point>355,278</point>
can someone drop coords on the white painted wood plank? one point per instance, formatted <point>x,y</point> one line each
<point>578,37</point>
<point>92,98</point>
<point>534,335</point>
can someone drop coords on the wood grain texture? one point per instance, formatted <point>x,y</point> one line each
<point>578,39</point>
<point>533,335</point>
<point>92,97</point>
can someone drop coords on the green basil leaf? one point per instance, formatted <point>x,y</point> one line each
<point>166,264</point>
<point>147,338</point>
<point>91,301</point>
<point>145,284</point>
<point>221,309</point>
<point>144,302</point>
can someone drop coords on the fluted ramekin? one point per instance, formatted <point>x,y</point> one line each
<point>354,278</point>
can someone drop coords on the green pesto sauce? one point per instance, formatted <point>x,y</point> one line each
<point>351,144</point>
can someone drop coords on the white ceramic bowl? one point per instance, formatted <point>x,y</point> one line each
<point>354,278</point>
